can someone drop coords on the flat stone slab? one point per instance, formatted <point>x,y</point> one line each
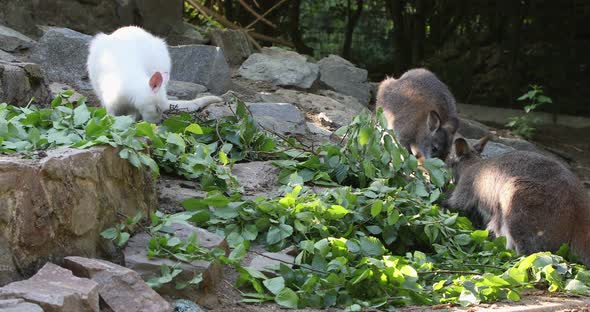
<point>55,289</point>
<point>18,305</point>
<point>58,204</point>
<point>120,288</point>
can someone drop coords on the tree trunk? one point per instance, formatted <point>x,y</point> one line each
<point>401,48</point>
<point>353,18</point>
<point>295,30</point>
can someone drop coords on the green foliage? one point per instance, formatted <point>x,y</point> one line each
<point>204,152</point>
<point>524,125</point>
<point>120,233</point>
<point>372,235</point>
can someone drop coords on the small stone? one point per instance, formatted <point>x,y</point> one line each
<point>136,259</point>
<point>183,305</point>
<point>258,178</point>
<point>343,77</point>
<point>269,261</point>
<point>55,289</point>
<point>283,118</point>
<point>281,67</point>
<point>201,64</point>
<point>120,288</point>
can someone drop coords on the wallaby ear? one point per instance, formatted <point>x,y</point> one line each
<point>433,121</point>
<point>156,81</point>
<point>452,125</point>
<point>461,147</point>
<point>481,144</point>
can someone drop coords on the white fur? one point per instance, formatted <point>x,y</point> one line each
<point>120,66</point>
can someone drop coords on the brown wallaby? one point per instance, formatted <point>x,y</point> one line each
<point>421,111</point>
<point>531,199</point>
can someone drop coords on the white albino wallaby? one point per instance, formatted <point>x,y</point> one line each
<point>129,71</point>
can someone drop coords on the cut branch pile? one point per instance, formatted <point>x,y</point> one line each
<point>250,33</point>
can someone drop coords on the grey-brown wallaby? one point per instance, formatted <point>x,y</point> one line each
<point>531,199</point>
<point>421,111</point>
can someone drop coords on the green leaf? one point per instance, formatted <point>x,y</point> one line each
<point>287,298</point>
<point>275,285</point>
<point>336,212</point>
<point>194,128</point>
<point>81,115</point>
<point>364,136</point>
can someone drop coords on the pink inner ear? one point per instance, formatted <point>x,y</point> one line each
<point>156,81</point>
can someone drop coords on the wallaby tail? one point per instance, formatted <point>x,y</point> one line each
<point>194,104</point>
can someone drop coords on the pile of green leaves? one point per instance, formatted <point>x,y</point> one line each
<point>363,215</point>
<point>202,150</point>
<point>381,241</point>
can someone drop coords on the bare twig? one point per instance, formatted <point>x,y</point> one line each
<point>267,12</point>
<point>258,16</point>
<point>221,19</point>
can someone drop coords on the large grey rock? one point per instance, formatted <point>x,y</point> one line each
<point>57,205</point>
<point>472,129</point>
<point>136,258</point>
<point>12,40</point>
<point>492,149</point>
<point>329,112</point>
<point>281,67</point>
<point>120,288</point>
<point>20,82</point>
<point>185,90</point>
<point>163,17</point>
<point>201,64</point>
<point>55,289</point>
<point>62,53</point>
<point>283,118</point>
<point>342,76</point>
<point>18,305</point>
<point>258,178</point>
<point>235,44</point>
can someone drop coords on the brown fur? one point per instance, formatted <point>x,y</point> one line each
<point>421,111</point>
<point>533,200</point>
